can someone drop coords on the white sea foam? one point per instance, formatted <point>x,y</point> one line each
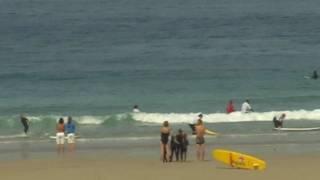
<point>222,117</point>
<point>90,119</point>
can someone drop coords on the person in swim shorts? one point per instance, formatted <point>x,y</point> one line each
<point>60,136</point>
<point>70,129</point>
<point>200,131</point>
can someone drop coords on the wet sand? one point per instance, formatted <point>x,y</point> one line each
<point>117,165</point>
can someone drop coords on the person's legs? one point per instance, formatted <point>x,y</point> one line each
<point>202,152</point>
<point>60,142</point>
<point>173,151</point>
<point>162,152</point>
<point>198,151</point>
<point>168,153</point>
<point>177,153</point>
<point>71,142</point>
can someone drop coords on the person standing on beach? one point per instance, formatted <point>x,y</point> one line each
<point>164,141</point>
<point>70,129</point>
<point>230,107</point>
<point>179,138</point>
<point>25,122</point>
<point>60,136</point>
<point>246,107</point>
<point>173,148</point>
<point>200,131</point>
<point>184,147</point>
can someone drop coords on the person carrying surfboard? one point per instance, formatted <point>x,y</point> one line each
<point>193,124</point>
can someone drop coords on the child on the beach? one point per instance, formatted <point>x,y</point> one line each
<point>184,147</point>
<point>173,147</point>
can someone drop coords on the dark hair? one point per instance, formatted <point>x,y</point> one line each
<point>61,121</point>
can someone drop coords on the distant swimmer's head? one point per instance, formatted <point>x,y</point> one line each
<point>135,107</point>
<point>200,115</point>
<point>283,114</point>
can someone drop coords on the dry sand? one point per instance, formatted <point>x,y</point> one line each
<point>119,167</point>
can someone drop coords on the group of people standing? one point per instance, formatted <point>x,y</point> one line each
<point>65,131</point>
<point>178,145</point>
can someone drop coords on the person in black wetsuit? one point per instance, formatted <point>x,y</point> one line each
<point>278,122</point>
<point>164,145</point>
<point>25,123</point>
<point>179,138</point>
<point>184,147</point>
<point>173,148</point>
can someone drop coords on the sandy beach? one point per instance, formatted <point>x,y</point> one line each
<point>118,166</point>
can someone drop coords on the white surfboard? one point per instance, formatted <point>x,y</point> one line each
<point>298,129</point>
<point>207,131</point>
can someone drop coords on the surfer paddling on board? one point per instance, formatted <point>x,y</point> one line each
<point>246,107</point>
<point>278,122</point>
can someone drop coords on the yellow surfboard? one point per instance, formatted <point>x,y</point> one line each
<point>238,160</point>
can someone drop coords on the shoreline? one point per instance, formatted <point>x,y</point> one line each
<point>25,150</point>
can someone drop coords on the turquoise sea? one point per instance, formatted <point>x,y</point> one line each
<point>93,60</point>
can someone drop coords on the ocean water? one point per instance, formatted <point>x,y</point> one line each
<point>93,60</point>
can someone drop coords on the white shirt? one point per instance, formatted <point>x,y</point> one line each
<point>135,110</point>
<point>245,108</point>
